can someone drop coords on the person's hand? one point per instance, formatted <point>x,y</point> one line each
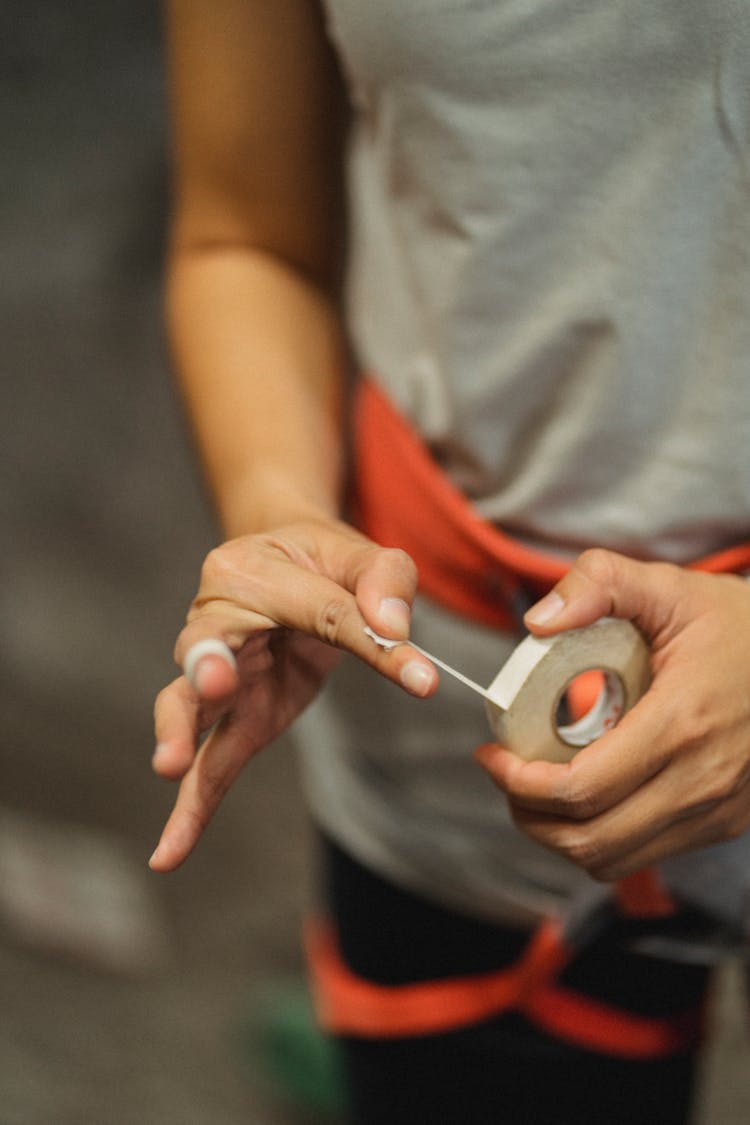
<point>675,773</point>
<point>284,604</point>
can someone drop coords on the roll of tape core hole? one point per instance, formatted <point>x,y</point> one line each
<point>579,720</point>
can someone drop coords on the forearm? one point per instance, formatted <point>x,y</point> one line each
<point>260,115</point>
<point>259,357</point>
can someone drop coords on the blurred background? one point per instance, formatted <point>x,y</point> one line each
<point>128,997</point>
<point>125,997</point>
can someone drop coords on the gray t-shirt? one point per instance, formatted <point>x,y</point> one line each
<point>550,275</point>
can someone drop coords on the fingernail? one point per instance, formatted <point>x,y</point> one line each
<point>395,614</point>
<point>544,610</point>
<point>161,753</point>
<point>416,677</point>
<point>154,855</point>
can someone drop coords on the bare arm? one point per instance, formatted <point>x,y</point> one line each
<point>252,303</point>
<point>255,250</point>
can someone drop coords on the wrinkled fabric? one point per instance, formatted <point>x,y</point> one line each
<point>550,269</point>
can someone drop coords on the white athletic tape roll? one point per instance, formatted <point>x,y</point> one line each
<point>523,700</point>
<point>209,647</point>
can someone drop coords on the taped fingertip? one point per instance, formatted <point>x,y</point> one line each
<point>209,647</point>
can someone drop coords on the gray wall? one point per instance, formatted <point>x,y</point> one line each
<point>104,524</point>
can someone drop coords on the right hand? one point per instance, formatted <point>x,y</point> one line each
<point>285,603</point>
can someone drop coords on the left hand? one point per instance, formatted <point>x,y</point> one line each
<point>674,775</point>
<point>285,604</point>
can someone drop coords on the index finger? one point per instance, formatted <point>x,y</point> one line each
<point>201,791</point>
<point>277,592</point>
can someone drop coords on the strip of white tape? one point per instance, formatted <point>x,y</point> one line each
<point>209,647</point>
<point>522,701</point>
<point>388,644</point>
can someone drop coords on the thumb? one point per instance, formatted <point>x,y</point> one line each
<point>603,583</point>
<point>384,586</point>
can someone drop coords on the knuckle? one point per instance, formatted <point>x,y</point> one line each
<point>582,804</point>
<point>213,787</point>
<point>573,842</point>
<point>567,840</point>
<point>399,561</point>
<point>220,566</point>
<point>730,818</point>
<point>584,851</point>
<point>723,786</point>
<point>330,619</point>
<point>213,564</point>
<point>580,846</point>
<point>578,800</point>
<point>693,721</point>
<point>686,726</point>
<point>598,565</point>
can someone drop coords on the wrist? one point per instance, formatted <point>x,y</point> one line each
<point>269,498</point>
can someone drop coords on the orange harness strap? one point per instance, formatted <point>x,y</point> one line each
<point>643,895</point>
<point>403,499</point>
<point>350,1005</point>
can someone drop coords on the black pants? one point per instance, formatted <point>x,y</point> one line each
<point>503,1071</point>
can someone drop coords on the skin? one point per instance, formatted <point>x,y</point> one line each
<point>675,773</point>
<point>259,352</point>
